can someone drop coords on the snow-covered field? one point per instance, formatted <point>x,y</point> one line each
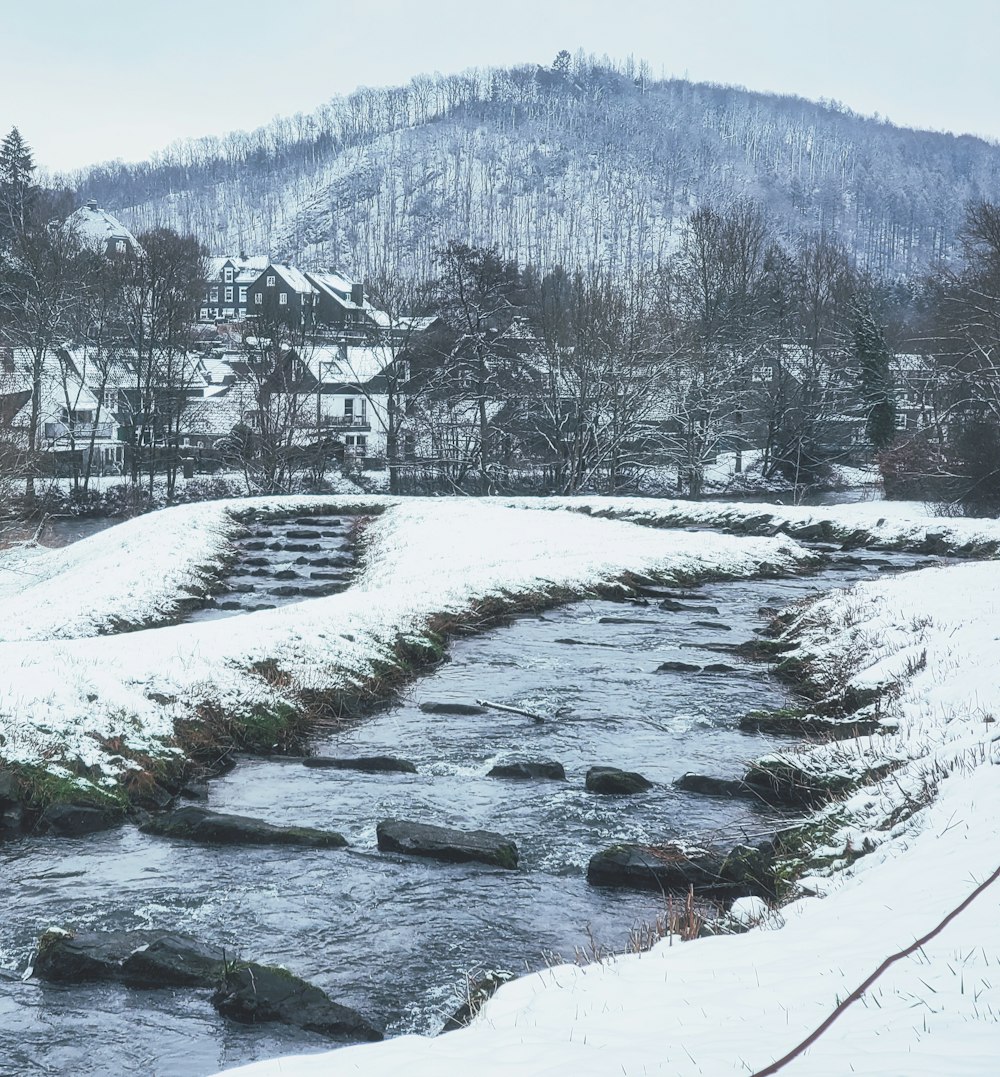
<point>66,691</point>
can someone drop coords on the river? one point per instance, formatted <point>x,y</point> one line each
<point>395,937</point>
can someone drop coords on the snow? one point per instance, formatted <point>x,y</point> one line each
<point>294,278</point>
<point>422,557</point>
<point>889,523</point>
<point>734,1004</point>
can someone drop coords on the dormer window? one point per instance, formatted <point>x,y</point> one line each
<point>270,282</point>
<point>228,274</point>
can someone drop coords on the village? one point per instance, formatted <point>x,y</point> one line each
<point>275,372</point>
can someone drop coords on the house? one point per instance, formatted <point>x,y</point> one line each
<point>101,231</point>
<point>227,287</point>
<point>76,429</point>
<point>281,293</point>
<point>340,301</point>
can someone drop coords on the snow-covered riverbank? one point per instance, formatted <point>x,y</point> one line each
<point>733,1005</point>
<point>73,698</point>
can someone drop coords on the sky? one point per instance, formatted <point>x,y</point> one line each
<point>107,79</point>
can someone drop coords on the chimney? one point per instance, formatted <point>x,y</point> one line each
<point>92,203</point>
<point>358,294</point>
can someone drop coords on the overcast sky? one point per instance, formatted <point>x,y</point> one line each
<point>102,79</point>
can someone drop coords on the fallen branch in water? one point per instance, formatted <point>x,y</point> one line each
<point>511,710</point>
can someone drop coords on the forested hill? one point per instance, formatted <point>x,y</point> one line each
<point>573,166</point>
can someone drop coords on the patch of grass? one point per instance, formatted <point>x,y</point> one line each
<point>39,788</point>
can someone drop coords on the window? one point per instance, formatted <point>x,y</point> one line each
<point>120,246</point>
<point>243,295</point>
<point>204,314</point>
<point>110,398</point>
<point>270,282</point>
<point>283,299</point>
<point>763,372</point>
<point>213,295</point>
<point>228,274</point>
<point>900,421</point>
<point>348,409</point>
<point>229,295</point>
<point>258,297</point>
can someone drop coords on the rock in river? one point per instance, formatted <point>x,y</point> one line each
<point>194,823</point>
<point>371,764</point>
<point>655,867</point>
<point>742,872</point>
<point>678,667</point>
<point>542,768</point>
<point>69,820</point>
<point>435,707</point>
<point>137,958</point>
<point>445,843</point>
<point>254,993</point>
<point>611,781</point>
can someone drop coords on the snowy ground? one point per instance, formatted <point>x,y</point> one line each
<point>898,524</point>
<point>66,691</point>
<point>733,1005</point>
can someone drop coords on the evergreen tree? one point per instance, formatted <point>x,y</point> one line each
<point>874,363</point>
<point>16,173</point>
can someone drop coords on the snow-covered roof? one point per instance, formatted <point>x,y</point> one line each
<point>337,288</point>
<point>400,324</point>
<point>294,278</point>
<point>246,269</point>
<point>97,228</point>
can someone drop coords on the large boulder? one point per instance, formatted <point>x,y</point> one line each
<point>657,867</point>
<point>194,823</point>
<point>610,781</point>
<point>744,871</point>
<point>542,768</point>
<point>446,843</point>
<point>138,958</point>
<point>254,994</point>
<point>713,787</point>
<point>71,820</point>
<point>371,764</point>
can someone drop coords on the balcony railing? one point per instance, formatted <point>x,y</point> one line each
<point>79,431</point>
<point>346,422</point>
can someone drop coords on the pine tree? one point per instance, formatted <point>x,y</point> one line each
<point>874,362</point>
<point>17,170</point>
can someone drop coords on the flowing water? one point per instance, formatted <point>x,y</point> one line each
<point>395,937</point>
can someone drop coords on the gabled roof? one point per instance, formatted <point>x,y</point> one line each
<point>246,269</point>
<point>336,287</point>
<point>347,365</point>
<point>295,279</point>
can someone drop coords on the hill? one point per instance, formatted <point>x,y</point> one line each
<point>592,163</point>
